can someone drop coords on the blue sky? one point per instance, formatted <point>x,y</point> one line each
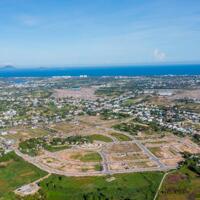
<point>98,32</point>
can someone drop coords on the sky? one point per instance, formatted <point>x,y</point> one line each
<point>99,32</point>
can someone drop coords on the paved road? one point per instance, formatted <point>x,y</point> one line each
<point>146,150</point>
<point>105,163</point>
<point>105,171</point>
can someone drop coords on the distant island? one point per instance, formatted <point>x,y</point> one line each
<point>7,67</point>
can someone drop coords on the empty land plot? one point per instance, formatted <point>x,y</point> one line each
<point>172,161</point>
<point>156,151</point>
<point>186,145</point>
<point>164,152</point>
<point>68,128</point>
<point>87,157</point>
<point>127,156</point>
<point>113,157</point>
<point>154,142</point>
<point>26,133</point>
<point>181,94</point>
<point>145,137</point>
<point>78,93</point>
<point>78,155</point>
<point>80,168</point>
<point>52,162</point>
<point>120,137</point>
<point>72,161</point>
<point>123,148</point>
<point>171,147</point>
<point>72,167</point>
<point>142,164</point>
<point>134,165</point>
<point>94,121</point>
<point>166,155</point>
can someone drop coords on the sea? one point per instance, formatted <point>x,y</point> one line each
<point>150,70</point>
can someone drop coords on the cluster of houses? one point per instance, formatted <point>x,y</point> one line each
<point>24,109</point>
<point>5,146</point>
<point>172,118</point>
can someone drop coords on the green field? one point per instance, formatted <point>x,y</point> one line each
<point>121,137</point>
<point>181,185</point>
<point>98,137</point>
<point>54,148</point>
<point>131,127</point>
<point>135,186</point>
<point>89,157</point>
<point>15,172</point>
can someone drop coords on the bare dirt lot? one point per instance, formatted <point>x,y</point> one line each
<point>104,155</point>
<point>123,148</point>
<point>119,166</point>
<point>71,161</point>
<point>194,94</point>
<point>132,156</point>
<point>78,93</point>
<point>169,148</point>
<point>89,125</point>
<point>127,156</point>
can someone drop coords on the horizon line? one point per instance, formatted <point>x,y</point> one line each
<point>102,65</point>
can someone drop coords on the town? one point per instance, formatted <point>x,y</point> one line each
<point>99,126</point>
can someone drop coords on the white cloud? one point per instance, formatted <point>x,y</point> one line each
<point>159,55</point>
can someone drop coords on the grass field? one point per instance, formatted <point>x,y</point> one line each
<point>181,185</point>
<point>91,157</point>
<point>121,137</point>
<point>88,157</point>
<point>102,138</point>
<point>15,172</point>
<point>135,186</point>
<point>54,148</point>
<point>155,150</point>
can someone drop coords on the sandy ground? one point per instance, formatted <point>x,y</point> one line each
<point>82,93</point>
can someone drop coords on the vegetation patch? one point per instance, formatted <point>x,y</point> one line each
<point>141,186</point>
<point>34,145</point>
<point>91,157</point>
<point>98,167</point>
<point>155,150</point>
<point>132,128</point>
<point>98,137</point>
<point>87,157</point>
<point>121,137</point>
<point>16,173</point>
<point>183,184</point>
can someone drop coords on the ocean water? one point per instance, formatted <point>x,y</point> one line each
<point>104,71</point>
